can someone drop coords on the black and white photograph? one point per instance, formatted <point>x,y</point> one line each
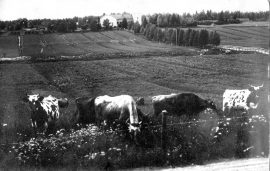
<point>134,85</point>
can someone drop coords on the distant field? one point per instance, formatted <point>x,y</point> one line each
<point>251,34</point>
<point>89,43</point>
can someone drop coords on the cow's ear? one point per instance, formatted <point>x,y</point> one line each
<point>40,98</point>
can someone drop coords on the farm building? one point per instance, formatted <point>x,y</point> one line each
<point>116,19</point>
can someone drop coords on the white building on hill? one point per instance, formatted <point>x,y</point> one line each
<point>116,19</point>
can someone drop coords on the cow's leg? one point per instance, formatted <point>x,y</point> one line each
<point>45,127</point>
<point>34,126</point>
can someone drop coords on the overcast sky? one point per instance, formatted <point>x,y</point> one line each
<point>31,9</point>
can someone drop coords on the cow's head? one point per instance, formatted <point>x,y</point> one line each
<point>63,102</point>
<point>33,100</point>
<point>38,114</point>
<point>253,98</point>
<point>255,88</point>
<point>134,127</point>
<point>210,104</point>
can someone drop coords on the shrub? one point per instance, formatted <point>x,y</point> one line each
<point>234,135</point>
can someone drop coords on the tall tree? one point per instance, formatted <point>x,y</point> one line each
<point>144,21</point>
<point>159,20</point>
<point>203,38</point>
<point>216,39</point>
<point>124,23</point>
<point>94,25</point>
<point>106,24</point>
<point>137,27</point>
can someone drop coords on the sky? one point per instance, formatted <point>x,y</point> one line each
<point>54,9</point>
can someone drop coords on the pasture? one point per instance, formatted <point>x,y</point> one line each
<point>249,34</point>
<point>104,71</point>
<point>90,44</point>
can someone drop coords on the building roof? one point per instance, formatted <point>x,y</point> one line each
<point>118,16</point>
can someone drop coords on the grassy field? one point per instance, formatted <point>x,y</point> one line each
<point>250,34</point>
<point>207,76</point>
<point>151,70</point>
<point>89,43</point>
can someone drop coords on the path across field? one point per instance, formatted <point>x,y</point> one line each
<point>237,165</point>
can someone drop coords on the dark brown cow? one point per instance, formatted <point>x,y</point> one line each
<point>187,104</point>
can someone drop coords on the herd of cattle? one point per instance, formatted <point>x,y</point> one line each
<point>124,109</point>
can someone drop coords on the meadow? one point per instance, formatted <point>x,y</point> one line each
<point>115,63</point>
<point>249,34</point>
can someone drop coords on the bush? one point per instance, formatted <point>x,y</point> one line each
<point>236,134</point>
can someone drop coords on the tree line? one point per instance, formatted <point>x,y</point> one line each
<point>160,20</point>
<point>53,25</point>
<point>181,36</point>
<point>188,20</point>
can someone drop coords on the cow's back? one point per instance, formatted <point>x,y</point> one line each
<point>117,107</point>
<point>189,103</point>
<point>179,104</point>
<point>235,98</point>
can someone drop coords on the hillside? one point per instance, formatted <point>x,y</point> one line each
<point>88,43</point>
<point>250,34</point>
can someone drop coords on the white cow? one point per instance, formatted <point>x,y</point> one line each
<point>241,99</point>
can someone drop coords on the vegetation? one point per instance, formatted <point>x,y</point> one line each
<point>186,143</point>
<point>106,24</point>
<point>208,17</point>
<point>139,75</point>
<point>160,20</point>
<point>182,37</point>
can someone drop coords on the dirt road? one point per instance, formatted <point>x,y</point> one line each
<point>261,164</point>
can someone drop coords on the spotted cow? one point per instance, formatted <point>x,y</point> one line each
<point>44,110</point>
<point>241,99</point>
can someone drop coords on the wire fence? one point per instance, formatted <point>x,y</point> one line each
<point>192,122</point>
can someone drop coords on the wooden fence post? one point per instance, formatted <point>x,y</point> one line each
<point>164,132</point>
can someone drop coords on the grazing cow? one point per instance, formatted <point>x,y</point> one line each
<point>44,110</point>
<point>105,108</point>
<point>241,99</point>
<point>187,104</point>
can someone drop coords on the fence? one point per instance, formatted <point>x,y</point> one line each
<point>159,143</point>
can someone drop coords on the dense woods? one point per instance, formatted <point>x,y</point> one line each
<point>181,36</point>
<point>208,17</point>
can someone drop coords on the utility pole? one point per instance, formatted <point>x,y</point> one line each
<point>268,69</point>
<point>20,42</point>
<point>268,77</point>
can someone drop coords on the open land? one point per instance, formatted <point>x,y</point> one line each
<point>108,68</point>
